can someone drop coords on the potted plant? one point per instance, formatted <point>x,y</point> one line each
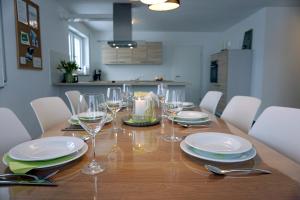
<point>68,67</point>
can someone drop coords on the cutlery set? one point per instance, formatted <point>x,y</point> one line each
<point>27,179</point>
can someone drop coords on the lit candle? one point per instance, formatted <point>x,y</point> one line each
<point>140,106</point>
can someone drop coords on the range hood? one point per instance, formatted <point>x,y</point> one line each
<point>122,26</point>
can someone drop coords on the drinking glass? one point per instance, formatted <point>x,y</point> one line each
<point>114,103</point>
<point>127,95</point>
<point>92,112</point>
<point>161,93</point>
<point>173,105</point>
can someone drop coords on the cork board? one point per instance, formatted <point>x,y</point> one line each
<point>28,35</point>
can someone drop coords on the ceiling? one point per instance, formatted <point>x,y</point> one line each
<point>192,16</point>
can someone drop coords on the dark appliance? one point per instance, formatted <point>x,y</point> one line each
<point>97,75</point>
<point>214,71</point>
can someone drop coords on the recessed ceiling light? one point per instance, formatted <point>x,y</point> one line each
<point>149,2</point>
<point>168,5</point>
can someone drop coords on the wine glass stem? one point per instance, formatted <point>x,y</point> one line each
<point>114,120</point>
<point>94,148</point>
<point>173,130</point>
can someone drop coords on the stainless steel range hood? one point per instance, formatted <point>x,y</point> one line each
<point>122,26</point>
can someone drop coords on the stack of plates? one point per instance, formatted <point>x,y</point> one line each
<point>63,148</point>
<point>74,119</point>
<point>188,105</point>
<point>192,117</point>
<point>218,147</point>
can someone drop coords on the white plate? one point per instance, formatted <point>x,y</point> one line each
<point>205,121</point>
<point>191,115</point>
<point>74,156</point>
<point>46,148</point>
<point>74,119</point>
<point>218,143</point>
<point>188,104</point>
<point>243,157</point>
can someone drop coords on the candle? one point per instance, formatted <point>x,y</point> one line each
<point>140,106</point>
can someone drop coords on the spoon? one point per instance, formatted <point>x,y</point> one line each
<point>193,125</point>
<point>219,171</point>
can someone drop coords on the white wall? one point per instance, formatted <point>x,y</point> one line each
<point>234,36</point>
<point>26,85</point>
<point>276,61</point>
<point>282,57</point>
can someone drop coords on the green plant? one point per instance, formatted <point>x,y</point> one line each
<point>68,66</point>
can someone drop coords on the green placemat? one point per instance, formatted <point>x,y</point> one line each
<point>22,167</point>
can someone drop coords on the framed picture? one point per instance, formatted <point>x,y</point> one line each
<point>247,43</point>
<point>28,35</point>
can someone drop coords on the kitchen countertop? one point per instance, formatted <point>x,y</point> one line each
<point>134,83</point>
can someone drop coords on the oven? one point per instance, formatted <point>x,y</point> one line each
<point>214,71</point>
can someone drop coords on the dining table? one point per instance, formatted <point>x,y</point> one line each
<point>139,164</point>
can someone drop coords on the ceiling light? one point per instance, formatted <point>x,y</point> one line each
<point>149,2</point>
<point>168,5</point>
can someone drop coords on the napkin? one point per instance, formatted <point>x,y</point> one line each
<point>22,167</point>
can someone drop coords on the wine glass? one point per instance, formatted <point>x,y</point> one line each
<point>127,95</point>
<point>173,105</point>
<point>161,93</point>
<point>92,112</point>
<point>114,103</point>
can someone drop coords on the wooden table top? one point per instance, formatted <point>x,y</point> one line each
<point>140,165</point>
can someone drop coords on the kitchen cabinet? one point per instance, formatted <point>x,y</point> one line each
<point>149,53</point>
<point>233,75</point>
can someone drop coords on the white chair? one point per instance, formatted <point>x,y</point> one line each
<point>240,111</point>
<point>279,127</point>
<point>13,131</point>
<point>73,97</point>
<point>210,101</point>
<point>50,111</point>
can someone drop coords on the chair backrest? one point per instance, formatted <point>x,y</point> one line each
<point>240,111</point>
<point>210,101</point>
<point>50,111</point>
<point>279,128</point>
<point>73,97</point>
<point>12,132</point>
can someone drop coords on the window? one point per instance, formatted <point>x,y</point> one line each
<point>79,50</point>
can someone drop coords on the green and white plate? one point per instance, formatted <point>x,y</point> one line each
<point>214,157</point>
<point>74,119</point>
<point>197,122</point>
<point>49,163</point>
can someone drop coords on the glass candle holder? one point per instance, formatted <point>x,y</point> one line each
<point>144,108</point>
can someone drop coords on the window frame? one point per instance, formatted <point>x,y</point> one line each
<point>84,49</point>
<point>3,77</point>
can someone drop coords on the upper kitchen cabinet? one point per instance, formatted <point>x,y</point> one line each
<point>149,53</point>
<point>154,53</point>
<point>109,55</point>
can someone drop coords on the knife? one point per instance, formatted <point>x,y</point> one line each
<point>33,183</point>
